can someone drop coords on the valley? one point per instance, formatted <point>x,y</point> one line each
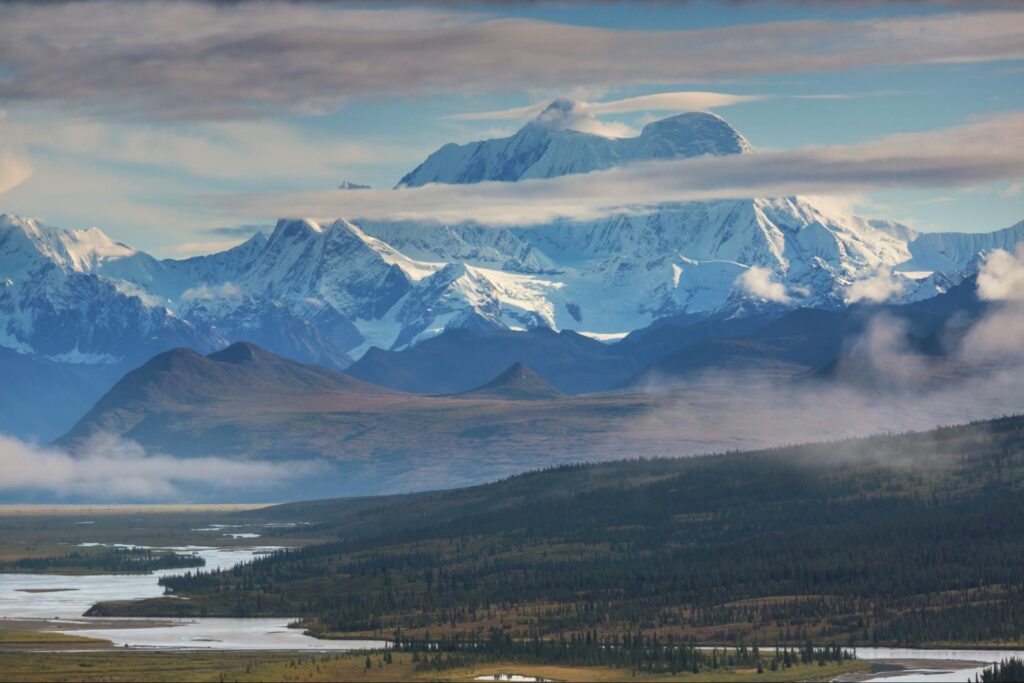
<point>527,341</point>
<point>712,560</point>
<point>550,551</point>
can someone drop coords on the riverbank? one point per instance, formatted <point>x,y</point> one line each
<point>158,667</point>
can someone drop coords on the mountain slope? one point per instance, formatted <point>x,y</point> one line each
<point>183,380</point>
<point>53,303</point>
<point>459,359</point>
<point>793,345</point>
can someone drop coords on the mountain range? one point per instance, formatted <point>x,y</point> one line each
<point>756,381</point>
<point>79,309</point>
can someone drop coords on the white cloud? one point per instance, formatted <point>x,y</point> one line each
<point>999,335</point>
<point>879,286</point>
<point>758,282</point>
<point>191,60</point>
<point>1001,277</point>
<point>138,181</point>
<point>14,170</point>
<point>108,468</point>
<point>882,355</point>
<point>952,157</point>
<point>666,101</point>
<point>841,205</point>
<point>205,292</point>
<point>1012,190</point>
<point>187,249</point>
<point>570,115</point>
<point>228,150</point>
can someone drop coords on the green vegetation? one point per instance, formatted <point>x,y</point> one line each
<point>1007,671</point>
<point>638,653</point>
<point>129,665</point>
<point>104,561</point>
<point>911,540</point>
<point>25,638</point>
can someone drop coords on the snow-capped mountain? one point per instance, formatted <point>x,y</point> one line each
<point>546,147</point>
<point>326,293</point>
<point>78,297</point>
<point>55,303</point>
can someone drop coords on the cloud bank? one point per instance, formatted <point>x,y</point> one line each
<point>221,61</point>
<point>951,157</point>
<point>112,469</point>
<point>666,101</point>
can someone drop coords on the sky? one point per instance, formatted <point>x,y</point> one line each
<point>177,127</point>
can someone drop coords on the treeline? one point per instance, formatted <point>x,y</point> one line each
<point>890,540</point>
<point>107,560</point>
<point>637,651</point>
<point>1007,671</point>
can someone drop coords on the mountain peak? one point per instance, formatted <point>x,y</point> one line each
<point>183,377</point>
<point>558,115</point>
<point>696,133</point>
<point>239,352</point>
<point>555,144</point>
<point>296,226</point>
<point>517,383</point>
<point>560,104</point>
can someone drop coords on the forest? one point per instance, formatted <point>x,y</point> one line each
<point>910,539</point>
<point>104,561</point>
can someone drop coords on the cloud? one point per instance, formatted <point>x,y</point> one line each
<point>186,249</point>
<point>880,286</point>
<point>14,170</point>
<point>566,114</point>
<point>189,60</point>
<point>246,231</point>
<point>205,292</point>
<point>1012,190</point>
<point>881,384</point>
<point>666,101</point>
<point>138,180</point>
<point>109,468</point>
<point>952,157</point>
<point>758,282</point>
<point>999,336</point>
<point>881,355</point>
<point>1001,276</point>
<point>233,150</point>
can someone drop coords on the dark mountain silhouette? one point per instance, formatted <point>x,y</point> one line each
<point>182,379</point>
<point>517,383</point>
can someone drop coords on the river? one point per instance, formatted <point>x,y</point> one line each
<point>64,598</point>
<point>934,666</point>
<point>61,600</point>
